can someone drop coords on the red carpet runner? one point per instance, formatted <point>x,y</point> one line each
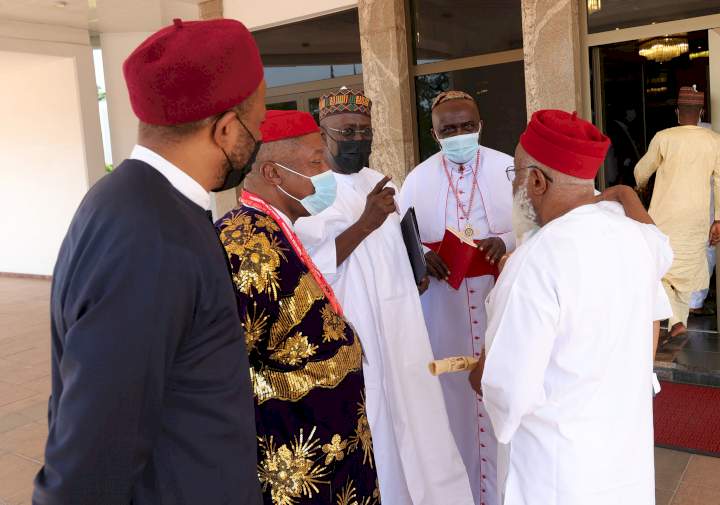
<point>688,418</point>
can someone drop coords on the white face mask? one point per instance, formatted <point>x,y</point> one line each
<point>524,217</point>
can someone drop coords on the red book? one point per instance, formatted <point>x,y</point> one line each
<point>463,258</point>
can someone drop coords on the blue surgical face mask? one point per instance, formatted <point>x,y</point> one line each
<point>461,148</point>
<point>325,191</point>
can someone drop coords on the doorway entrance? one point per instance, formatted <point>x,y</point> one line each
<point>634,86</point>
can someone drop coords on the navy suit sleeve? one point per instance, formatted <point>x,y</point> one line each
<point>124,310</point>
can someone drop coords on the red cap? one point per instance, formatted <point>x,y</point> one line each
<point>287,124</point>
<point>192,70</point>
<point>566,143</point>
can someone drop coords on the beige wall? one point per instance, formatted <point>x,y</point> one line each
<point>275,12</point>
<point>116,47</point>
<point>714,47</point>
<point>43,173</point>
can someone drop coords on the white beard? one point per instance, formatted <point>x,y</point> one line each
<point>524,217</point>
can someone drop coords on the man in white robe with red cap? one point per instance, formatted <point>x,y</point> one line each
<point>568,377</point>
<point>463,186</point>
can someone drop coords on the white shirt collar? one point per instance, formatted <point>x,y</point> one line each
<point>283,217</point>
<point>181,181</point>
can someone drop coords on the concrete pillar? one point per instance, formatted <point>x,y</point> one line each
<point>552,50</point>
<point>211,9</point>
<point>386,56</point>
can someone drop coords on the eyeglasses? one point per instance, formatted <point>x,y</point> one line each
<point>352,132</point>
<point>511,171</point>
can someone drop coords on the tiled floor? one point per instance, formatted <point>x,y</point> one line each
<point>682,479</point>
<point>693,358</point>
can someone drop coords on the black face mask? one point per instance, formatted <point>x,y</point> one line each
<point>352,155</point>
<point>235,176</point>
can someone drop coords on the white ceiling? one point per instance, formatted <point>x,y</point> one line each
<point>100,15</point>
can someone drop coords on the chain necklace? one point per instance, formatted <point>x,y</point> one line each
<point>469,232</point>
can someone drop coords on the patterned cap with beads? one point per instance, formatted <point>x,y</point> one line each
<point>689,95</point>
<point>345,100</point>
<point>452,94</point>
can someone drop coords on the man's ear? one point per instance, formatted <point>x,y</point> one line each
<point>269,171</point>
<point>224,133</point>
<point>537,183</point>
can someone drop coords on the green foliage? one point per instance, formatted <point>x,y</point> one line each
<point>109,167</point>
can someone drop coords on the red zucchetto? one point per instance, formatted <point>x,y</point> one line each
<point>287,124</point>
<point>566,143</point>
<point>192,70</point>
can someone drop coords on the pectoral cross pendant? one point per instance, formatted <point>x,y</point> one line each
<point>469,232</point>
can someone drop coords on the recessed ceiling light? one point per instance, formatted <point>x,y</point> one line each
<point>61,4</point>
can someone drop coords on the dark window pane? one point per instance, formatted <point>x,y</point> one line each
<point>446,29</point>
<point>319,48</point>
<point>291,105</point>
<point>314,104</point>
<point>605,15</point>
<point>500,93</point>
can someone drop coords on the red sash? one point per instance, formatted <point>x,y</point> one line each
<point>252,200</point>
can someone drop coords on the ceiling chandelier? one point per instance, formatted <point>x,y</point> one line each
<point>593,6</point>
<point>664,49</point>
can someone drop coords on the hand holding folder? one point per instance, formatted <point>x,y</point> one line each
<point>463,258</point>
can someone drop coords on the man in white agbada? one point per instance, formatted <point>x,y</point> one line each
<point>568,376</point>
<point>358,246</point>
<point>464,186</point>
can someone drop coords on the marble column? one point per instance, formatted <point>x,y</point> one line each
<point>211,9</point>
<point>386,78</point>
<point>552,45</point>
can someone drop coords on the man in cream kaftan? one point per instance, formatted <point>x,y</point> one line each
<point>416,457</point>
<point>685,158</point>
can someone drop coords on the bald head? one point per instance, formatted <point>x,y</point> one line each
<point>455,117</point>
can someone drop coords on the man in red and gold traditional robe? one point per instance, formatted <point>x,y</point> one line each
<point>314,442</point>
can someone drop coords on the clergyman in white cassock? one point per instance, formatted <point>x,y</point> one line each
<point>568,376</point>
<point>445,194</point>
<point>417,460</point>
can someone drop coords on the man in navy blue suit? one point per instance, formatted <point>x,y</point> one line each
<point>151,398</point>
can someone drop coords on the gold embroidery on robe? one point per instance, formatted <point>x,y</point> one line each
<point>362,438</point>
<point>335,450</point>
<point>294,308</point>
<point>259,266</point>
<point>291,472</point>
<point>294,385</point>
<point>334,326</point>
<point>266,222</point>
<point>254,326</point>
<point>235,230</point>
<point>348,496</point>
<point>258,253</point>
<point>294,350</point>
